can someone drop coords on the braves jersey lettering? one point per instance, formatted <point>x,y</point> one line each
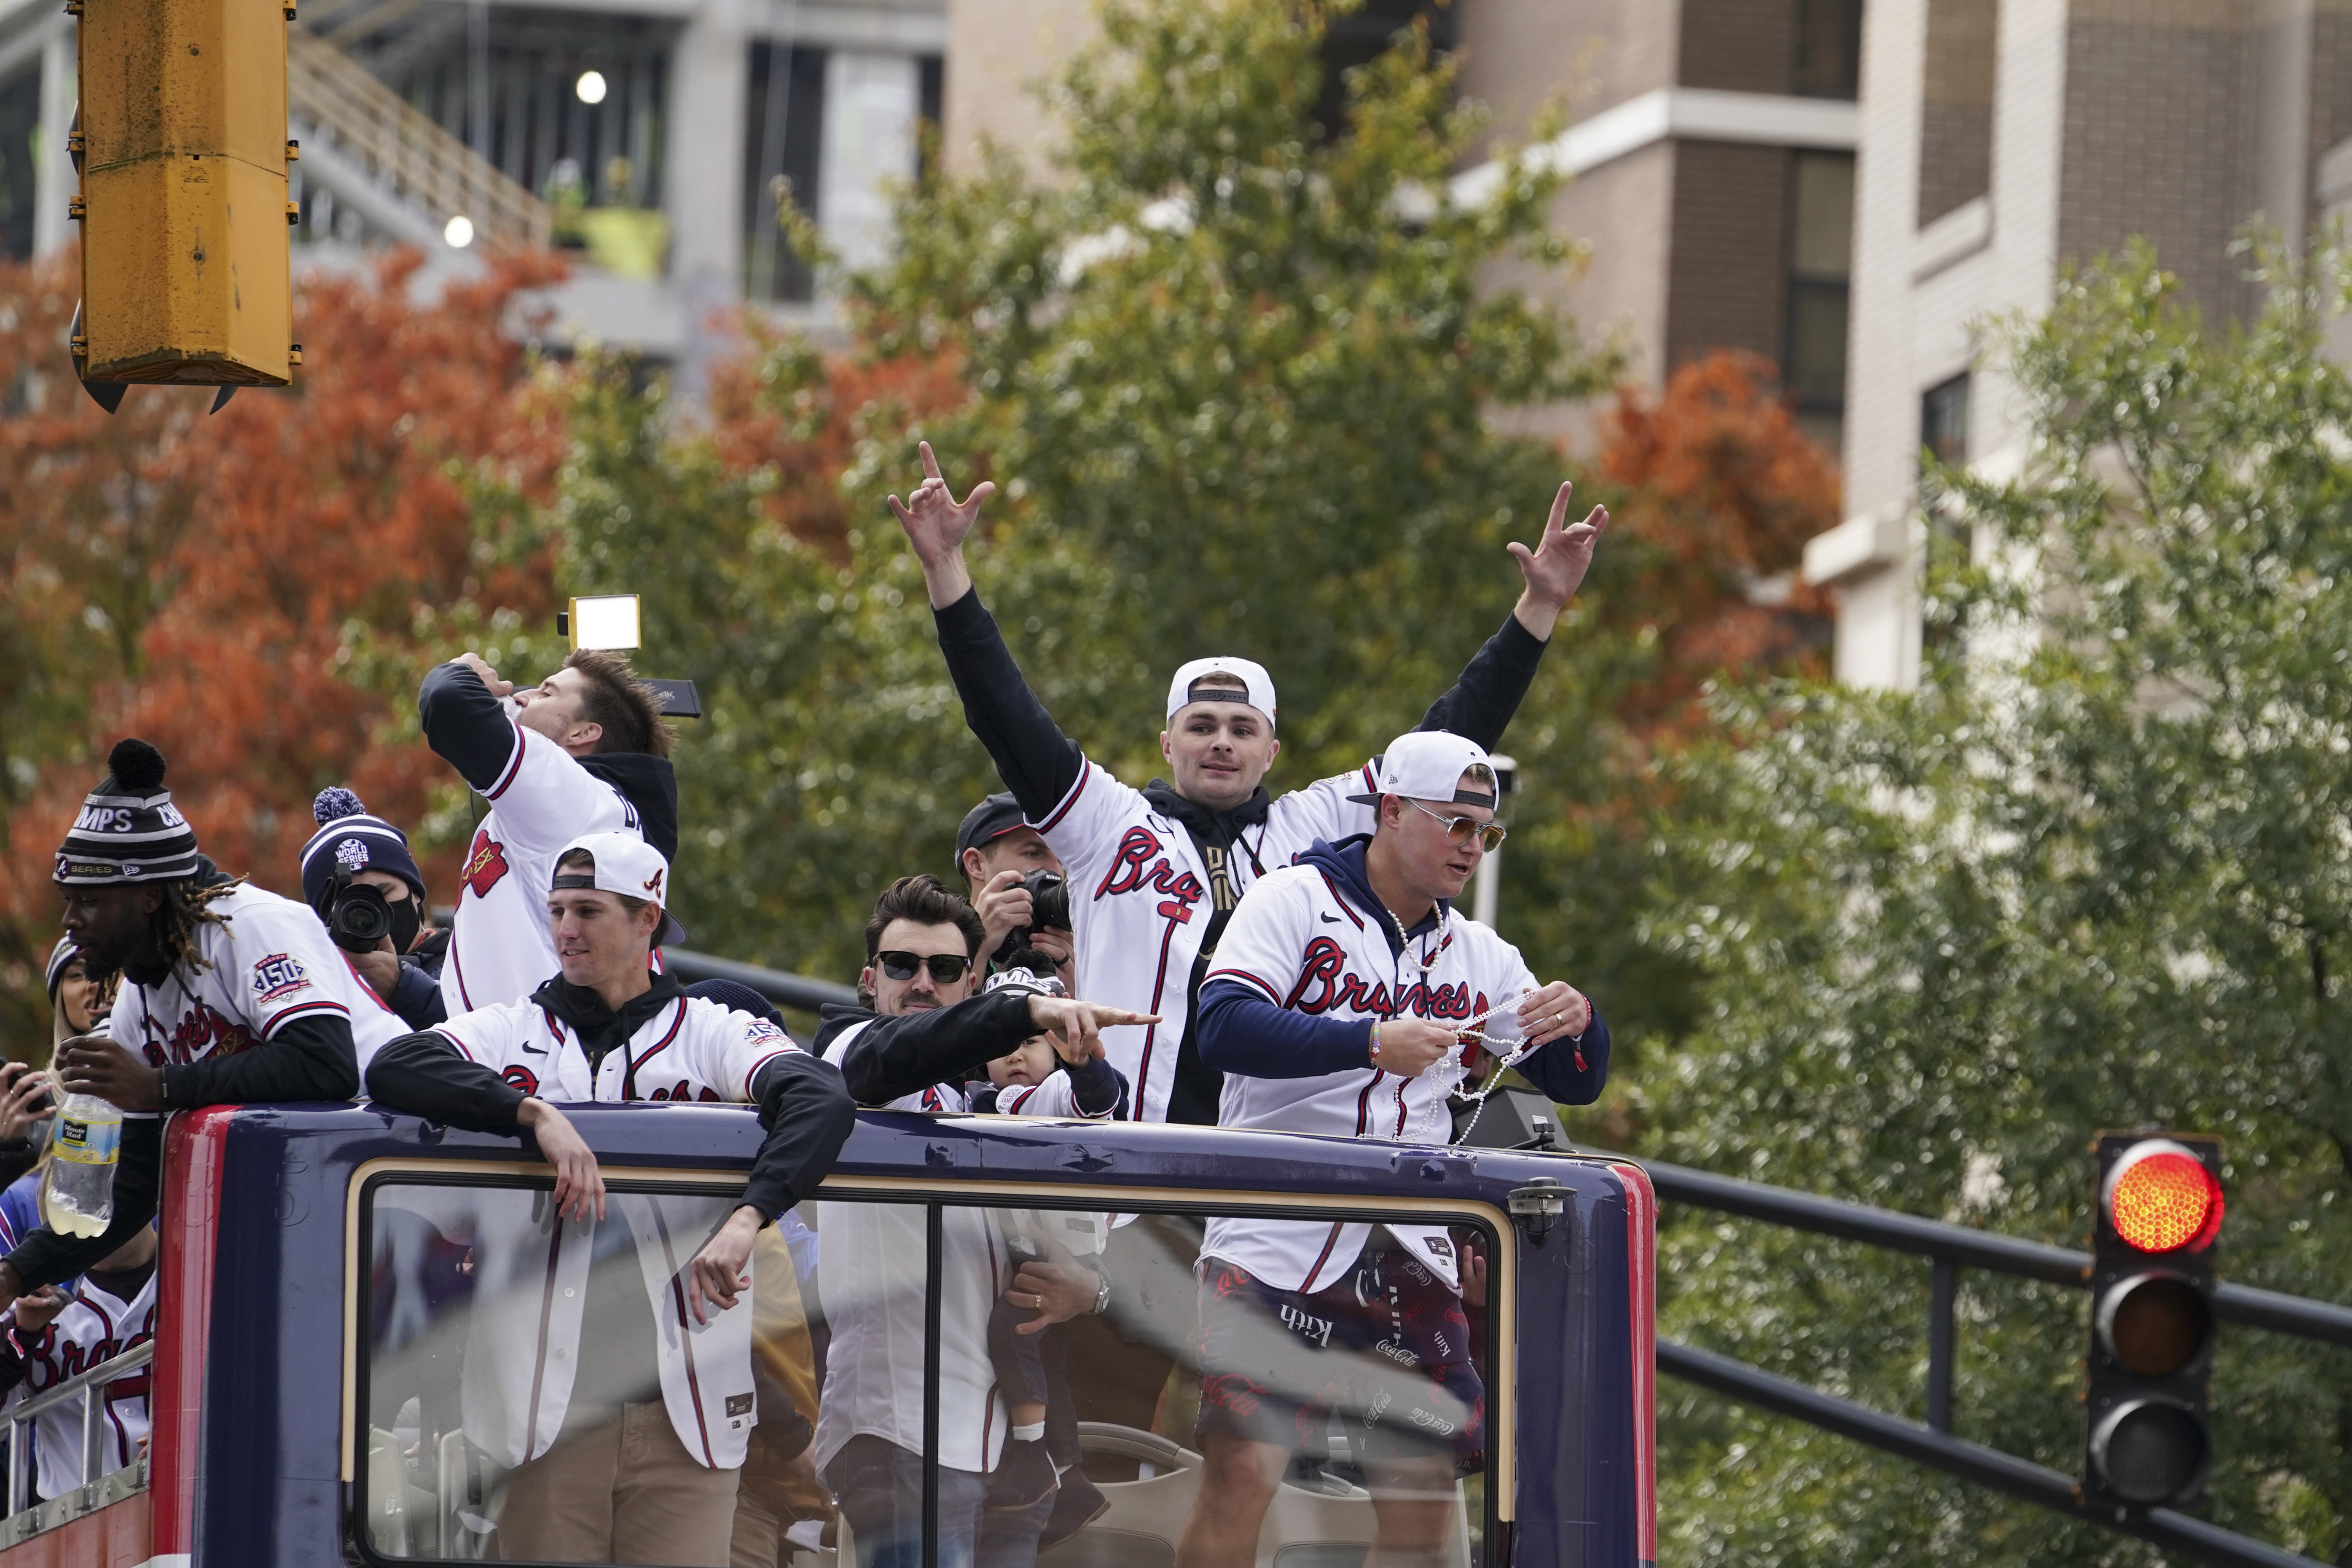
<point>95,1328</point>
<point>269,962</point>
<point>1298,941</point>
<point>1137,933</point>
<point>499,949</point>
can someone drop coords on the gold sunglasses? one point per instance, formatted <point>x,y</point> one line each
<point>1461,830</point>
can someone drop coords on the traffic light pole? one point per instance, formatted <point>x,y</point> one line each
<point>2005,1473</point>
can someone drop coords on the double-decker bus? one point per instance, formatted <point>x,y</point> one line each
<point>328,1368</point>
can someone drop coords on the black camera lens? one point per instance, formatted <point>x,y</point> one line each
<point>1049,899</point>
<point>359,918</point>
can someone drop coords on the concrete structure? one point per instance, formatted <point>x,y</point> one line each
<point>1711,145</point>
<point>2003,138</point>
<point>700,112</point>
<point>1711,149</point>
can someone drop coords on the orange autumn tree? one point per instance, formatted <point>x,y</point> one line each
<point>242,588</point>
<point>1720,489</point>
<point>1713,490</point>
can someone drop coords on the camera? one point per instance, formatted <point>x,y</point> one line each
<point>1049,908</point>
<point>358,917</point>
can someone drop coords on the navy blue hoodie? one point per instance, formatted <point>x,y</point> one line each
<point>1242,1032</point>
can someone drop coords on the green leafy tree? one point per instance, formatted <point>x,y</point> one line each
<point>2093,874</point>
<point>1263,427</point>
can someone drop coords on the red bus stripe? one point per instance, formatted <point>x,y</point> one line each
<point>196,1148</point>
<point>1640,1269</point>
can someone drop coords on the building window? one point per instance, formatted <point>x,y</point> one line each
<point>1357,37</point>
<point>1829,48</point>
<point>1821,266</point>
<point>522,70</point>
<point>1956,110</point>
<point>20,133</point>
<point>1944,420</point>
<point>783,126</point>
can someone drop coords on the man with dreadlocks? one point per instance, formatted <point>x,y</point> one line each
<point>230,995</point>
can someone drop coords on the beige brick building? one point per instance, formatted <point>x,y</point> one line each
<point>1999,139</point>
<point>1711,145</point>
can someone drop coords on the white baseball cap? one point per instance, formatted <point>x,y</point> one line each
<point>1428,764</point>
<point>1246,676</point>
<point>626,864</point>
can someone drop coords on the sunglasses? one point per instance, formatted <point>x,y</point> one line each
<point>946,968</point>
<point>1461,830</point>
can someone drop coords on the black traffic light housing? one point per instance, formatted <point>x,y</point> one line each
<point>2147,1433</point>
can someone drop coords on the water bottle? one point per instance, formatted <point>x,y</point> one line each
<point>77,1198</point>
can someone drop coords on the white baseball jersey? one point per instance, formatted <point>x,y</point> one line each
<point>1301,942</point>
<point>96,1328</point>
<point>523,1358</point>
<point>1139,902</point>
<point>692,1049</point>
<point>499,947</point>
<point>269,963</point>
<point>870,1278</point>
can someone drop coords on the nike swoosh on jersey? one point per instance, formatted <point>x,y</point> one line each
<point>1331,920</point>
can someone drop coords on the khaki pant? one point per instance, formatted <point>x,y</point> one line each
<point>626,1491</point>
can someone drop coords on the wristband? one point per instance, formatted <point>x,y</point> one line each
<point>1376,1038</point>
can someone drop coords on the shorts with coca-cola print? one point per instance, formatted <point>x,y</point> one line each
<point>1386,1350</point>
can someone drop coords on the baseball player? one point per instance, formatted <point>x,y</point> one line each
<point>910,1049</point>
<point>1155,873</point>
<point>1341,1001</point>
<point>646,1471</point>
<point>229,995</point>
<point>586,751</point>
<point>59,1331</point>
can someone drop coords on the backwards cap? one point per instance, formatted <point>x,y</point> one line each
<point>626,864</point>
<point>1222,680</point>
<point>1428,764</point>
<point>129,830</point>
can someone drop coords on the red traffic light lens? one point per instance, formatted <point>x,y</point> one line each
<point>2161,1198</point>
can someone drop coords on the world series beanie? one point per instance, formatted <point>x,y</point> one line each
<point>350,839</point>
<point>129,830</point>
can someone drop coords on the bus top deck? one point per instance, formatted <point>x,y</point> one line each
<point>321,1393</point>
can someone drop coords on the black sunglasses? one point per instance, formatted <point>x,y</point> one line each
<point>946,968</point>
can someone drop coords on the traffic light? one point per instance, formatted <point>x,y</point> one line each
<point>2159,1208</point>
<point>181,144</point>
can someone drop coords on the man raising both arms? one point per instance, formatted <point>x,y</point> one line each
<point>1154,873</point>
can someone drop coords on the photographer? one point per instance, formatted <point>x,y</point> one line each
<point>1015,882</point>
<point>358,873</point>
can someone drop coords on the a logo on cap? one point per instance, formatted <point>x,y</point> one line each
<point>350,855</point>
<point>653,887</point>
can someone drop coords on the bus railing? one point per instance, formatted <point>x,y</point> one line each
<point>23,1519</point>
<point>1948,1248</point>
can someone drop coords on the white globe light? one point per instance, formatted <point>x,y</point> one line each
<point>590,87</point>
<point>458,231</point>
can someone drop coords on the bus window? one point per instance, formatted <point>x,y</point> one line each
<point>539,1388</point>
<point>1051,1385</point>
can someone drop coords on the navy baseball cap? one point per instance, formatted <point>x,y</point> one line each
<point>991,819</point>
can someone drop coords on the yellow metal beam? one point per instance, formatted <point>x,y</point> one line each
<point>186,272</point>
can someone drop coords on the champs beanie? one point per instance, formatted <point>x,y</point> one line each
<point>129,830</point>
<point>350,839</point>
